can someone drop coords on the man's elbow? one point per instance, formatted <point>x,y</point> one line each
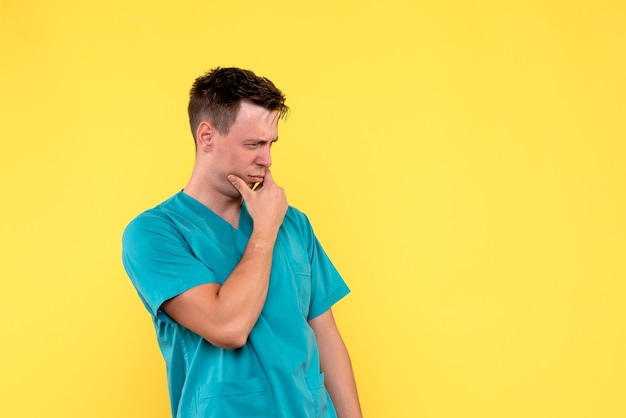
<point>230,344</point>
<point>228,337</point>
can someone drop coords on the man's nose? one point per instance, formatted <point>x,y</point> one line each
<point>264,158</point>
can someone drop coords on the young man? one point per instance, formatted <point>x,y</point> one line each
<point>239,289</point>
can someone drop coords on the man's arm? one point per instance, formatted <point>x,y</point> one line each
<point>336,366</point>
<point>225,314</point>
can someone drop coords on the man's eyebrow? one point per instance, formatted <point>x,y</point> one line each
<point>262,140</point>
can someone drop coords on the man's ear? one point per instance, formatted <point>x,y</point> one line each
<point>205,136</point>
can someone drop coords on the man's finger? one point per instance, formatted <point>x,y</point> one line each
<point>268,179</point>
<point>239,184</point>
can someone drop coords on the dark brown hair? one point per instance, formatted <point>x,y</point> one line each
<point>216,96</point>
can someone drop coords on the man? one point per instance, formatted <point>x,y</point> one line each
<point>239,289</point>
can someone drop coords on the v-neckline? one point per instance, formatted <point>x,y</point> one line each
<point>241,234</point>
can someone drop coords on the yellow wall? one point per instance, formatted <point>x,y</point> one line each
<point>463,162</point>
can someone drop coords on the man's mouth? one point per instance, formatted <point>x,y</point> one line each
<point>256,179</point>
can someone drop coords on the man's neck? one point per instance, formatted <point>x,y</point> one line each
<point>225,207</point>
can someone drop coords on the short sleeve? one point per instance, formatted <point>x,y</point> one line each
<point>327,285</point>
<point>159,262</point>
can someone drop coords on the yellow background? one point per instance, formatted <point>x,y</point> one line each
<point>462,162</point>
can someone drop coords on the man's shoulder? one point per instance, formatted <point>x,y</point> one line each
<point>296,215</point>
<point>297,221</point>
<point>157,217</point>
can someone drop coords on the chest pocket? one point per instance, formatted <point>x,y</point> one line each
<point>302,276</point>
<point>290,282</point>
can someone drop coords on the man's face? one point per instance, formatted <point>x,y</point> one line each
<point>245,151</point>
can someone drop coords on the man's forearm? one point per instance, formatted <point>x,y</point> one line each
<point>336,366</point>
<point>242,296</point>
<point>339,380</point>
<point>225,314</point>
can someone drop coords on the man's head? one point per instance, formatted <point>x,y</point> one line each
<point>217,95</point>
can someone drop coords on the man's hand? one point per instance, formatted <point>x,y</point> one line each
<point>267,204</point>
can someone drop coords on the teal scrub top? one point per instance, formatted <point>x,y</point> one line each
<point>181,244</point>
